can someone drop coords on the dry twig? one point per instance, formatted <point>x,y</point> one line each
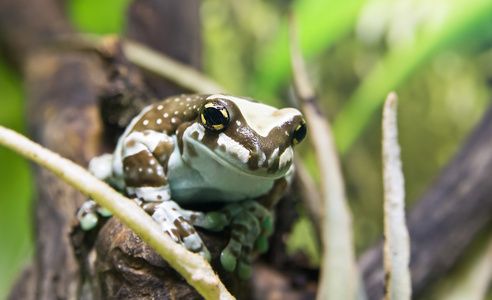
<point>338,271</point>
<point>148,59</point>
<point>397,245</point>
<point>168,68</point>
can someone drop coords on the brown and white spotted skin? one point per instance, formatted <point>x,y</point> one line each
<point>200,149</point>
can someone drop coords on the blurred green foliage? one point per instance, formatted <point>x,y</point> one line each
<point>435,54</point>
<point>15,184</point>
<point>98,17</point>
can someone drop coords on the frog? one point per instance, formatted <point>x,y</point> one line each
<point>199,149</point>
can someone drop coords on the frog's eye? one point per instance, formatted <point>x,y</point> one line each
<point>214,116</point>
<point>299,133</point>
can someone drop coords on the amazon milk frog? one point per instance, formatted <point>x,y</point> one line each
<point>205,149</point>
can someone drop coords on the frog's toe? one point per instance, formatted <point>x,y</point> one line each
<point>88,221</point>
<point>206,254</point>
<point>214,221</point>
<point>230,254</point>
<point>228,260</point>
<point>245,229</point>
<point>244,270</point>
<point>261,243</point>
<point>267,224</point>
<point>244,262</point>
<point>87,215</point>
<point>104,211</point>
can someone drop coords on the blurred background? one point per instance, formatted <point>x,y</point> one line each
<point>436,55</point>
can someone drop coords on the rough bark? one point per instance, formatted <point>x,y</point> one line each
<point>446,219</point>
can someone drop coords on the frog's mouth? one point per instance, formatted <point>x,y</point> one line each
<point>235,157</point>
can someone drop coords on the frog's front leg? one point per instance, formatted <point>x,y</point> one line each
<point>145,156</point>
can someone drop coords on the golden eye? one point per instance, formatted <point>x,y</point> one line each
<point>299,133</point>
<point>214,116</point>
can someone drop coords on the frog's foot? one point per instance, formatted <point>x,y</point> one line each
<point>214,220</point>
<point>169,216</point>
<point>89,212</point>
<point>247,227</point>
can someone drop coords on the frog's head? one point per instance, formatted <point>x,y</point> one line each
<point>246,136</point>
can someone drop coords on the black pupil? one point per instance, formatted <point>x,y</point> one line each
<point>300,133</point>
<point>214,116</point>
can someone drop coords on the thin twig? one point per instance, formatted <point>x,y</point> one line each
<point>170,69</point>
<point>193,267</point>
<point>310,195</point>
<point>397,242</point>
<point>338,271</point>
<point>148,59</point>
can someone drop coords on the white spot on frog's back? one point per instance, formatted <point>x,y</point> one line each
<point>260,117</point>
